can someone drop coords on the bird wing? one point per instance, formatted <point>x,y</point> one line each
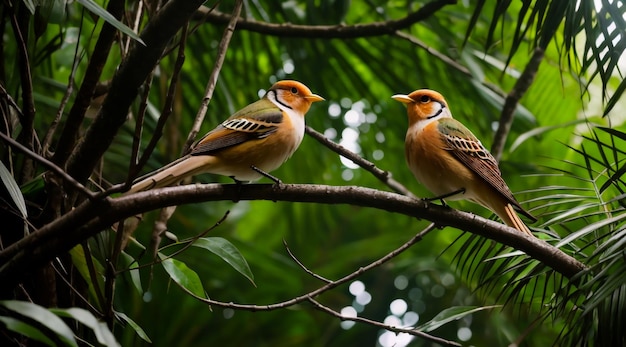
<point>255,121</point>
<point>467,148</point>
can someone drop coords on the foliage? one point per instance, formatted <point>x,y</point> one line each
<point>564,161</point>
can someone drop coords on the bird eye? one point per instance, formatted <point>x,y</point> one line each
<point>294,90</point>
<point>425,98</point>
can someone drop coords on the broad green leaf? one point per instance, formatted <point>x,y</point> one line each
<point>183,275</point>
<point>100,329</point>
<point>133,269</point>
<point>451,314</point>
<point>140,332</point>
<point>44,317</point>
<point>228,252</point>
<point>14,190</point>
<point>27,330</point>
<point>33,186</point>
<point>54,11</point>
<point>104,14</point>
<point>79,261</point>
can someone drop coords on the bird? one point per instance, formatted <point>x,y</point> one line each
<point>447,159</point>
<point>249,144</point>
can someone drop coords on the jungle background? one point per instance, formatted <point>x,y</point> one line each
<point>88,88</point>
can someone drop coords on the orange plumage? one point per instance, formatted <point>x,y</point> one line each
<point>446,157</point>
<point>262,135</point>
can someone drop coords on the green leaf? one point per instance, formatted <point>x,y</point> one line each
<point>44,317</point>
<point>53,10</point>
<point>228,252</point>
<point>140,332</point>
<point>104,14</point>
<point>25,329</point>
<point>14,190</point>
<point>183,275</point>
<point>133,269</point>
<point>78,259</point>
<point>451,314</point>
<point>100,329</point>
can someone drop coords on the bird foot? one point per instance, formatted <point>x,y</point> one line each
<point>447,195</point>
<point>273,178</point>
<point>238,183</point>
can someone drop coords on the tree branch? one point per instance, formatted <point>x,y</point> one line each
<point>328,286</point>
<point>332,284</point>
<point>409,331</point>
<point>90,218</point>
<point>384,176</point>
<point>219,61</point>
<point>48,164</point>
<point>340,31</point>
<point>512,99</point>
<point>125,85</point>
<point>448,61</point>
<point>69,134</point>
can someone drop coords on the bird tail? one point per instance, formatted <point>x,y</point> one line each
<point>173,173</point>
<point>511,219</point>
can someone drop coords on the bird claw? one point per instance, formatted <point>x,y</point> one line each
<point>276,180</point>
<point>447,195</point>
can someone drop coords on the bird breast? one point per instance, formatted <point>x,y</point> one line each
<point>433,166</point>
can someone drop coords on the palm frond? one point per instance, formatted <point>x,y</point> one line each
<point>602,24</point>
<point>595,224</point>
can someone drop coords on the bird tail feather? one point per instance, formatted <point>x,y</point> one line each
<point>512,219</point>
<point>173,173</point>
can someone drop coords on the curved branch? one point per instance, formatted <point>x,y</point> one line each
<point>91,217</point>
<point>325,31</point>
<point>332,284</point>
<point>410,331</point>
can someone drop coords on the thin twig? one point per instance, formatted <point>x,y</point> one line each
<point>11,102</point>
<point>86,91</point>
<point>125,85</point>
<point>165,112</point>
<point>139,121</point>
<point>187,243</point>
<point>48,164</point>
<point>320,290</point>
<point>66,97</point>
<point>93,275</point>
<point>447,60</point>
<point>384,176</point>
<point>326,31</point>
<point>219,61</point>
<point>512,99</point>
<point>27,134</point>
<point>313,274</point>
<point>413,332</point>
<point>63,276</point>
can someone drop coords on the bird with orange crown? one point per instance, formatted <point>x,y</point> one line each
<point>450,161</point>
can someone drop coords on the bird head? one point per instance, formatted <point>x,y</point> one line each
<point>292,95</point>
<point>424,104</point>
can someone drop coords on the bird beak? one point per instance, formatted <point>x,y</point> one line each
<point>314,98</point>
<point>403,98</point>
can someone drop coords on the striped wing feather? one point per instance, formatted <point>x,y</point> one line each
<point>255,121</point>
<point>468,149</point>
